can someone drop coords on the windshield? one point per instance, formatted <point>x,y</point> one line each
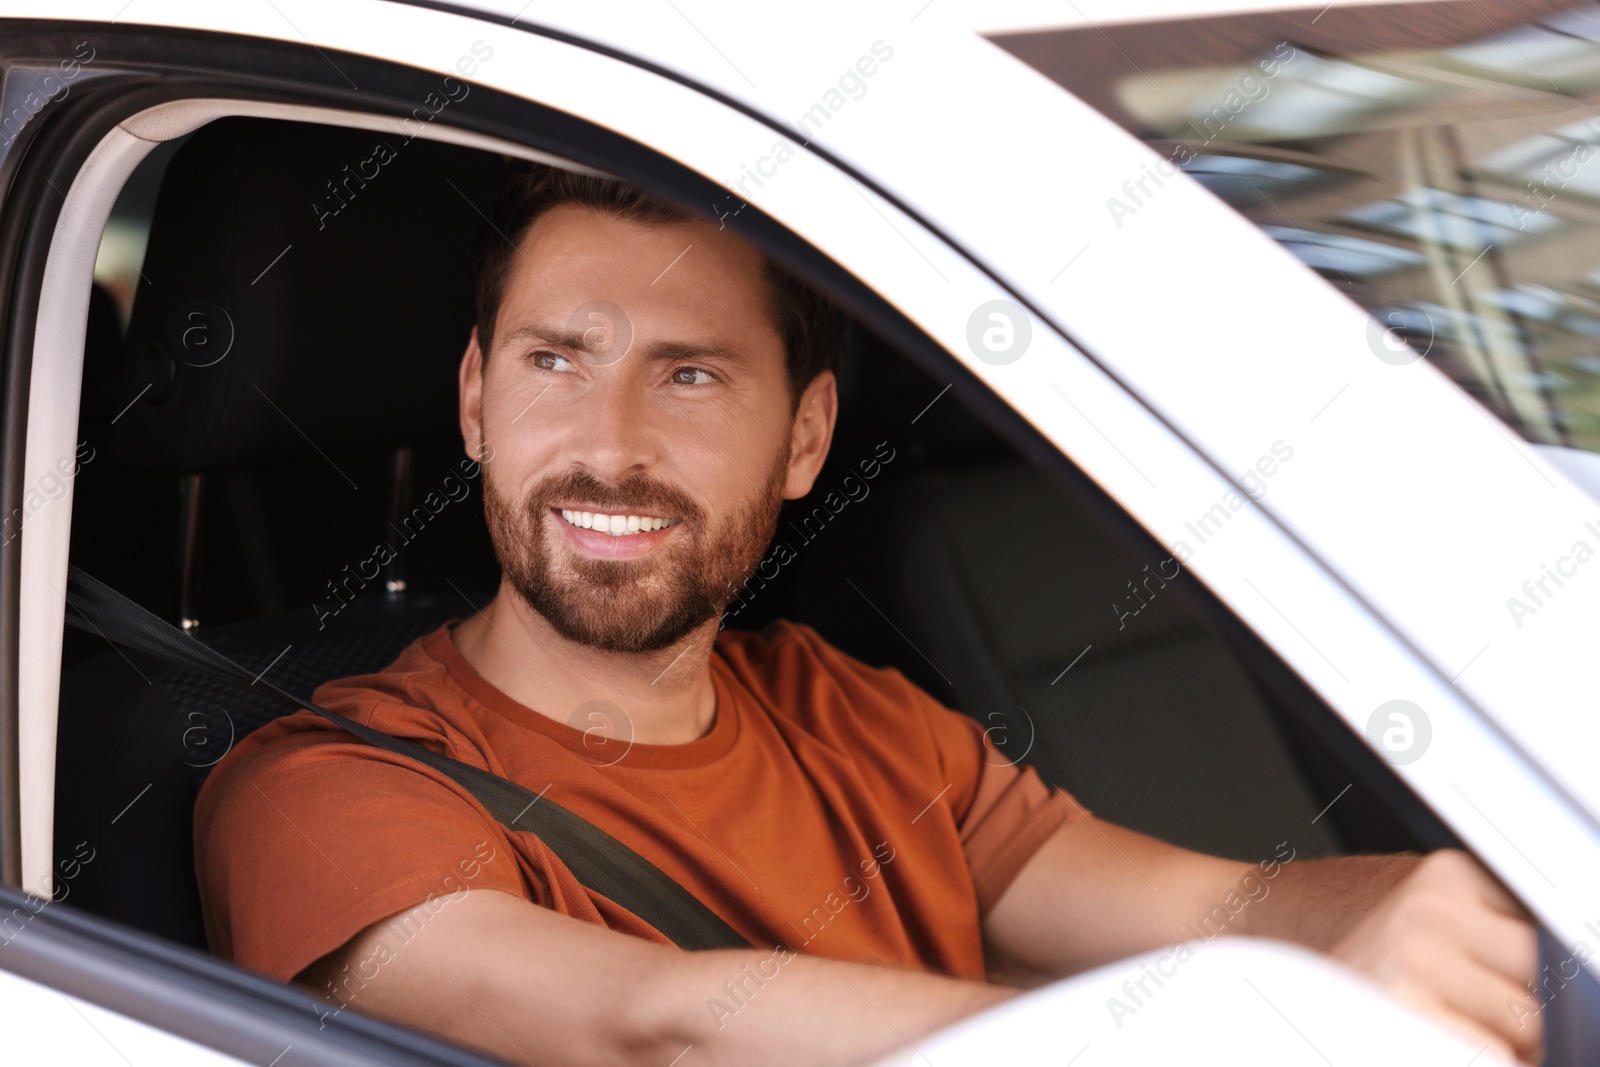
<point>1439,163</point>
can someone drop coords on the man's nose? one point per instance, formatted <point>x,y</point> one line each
<point>616,430</point>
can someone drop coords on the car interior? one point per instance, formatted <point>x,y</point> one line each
<point>261,426</point>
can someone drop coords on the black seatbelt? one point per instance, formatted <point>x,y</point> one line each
<point>598,860</point>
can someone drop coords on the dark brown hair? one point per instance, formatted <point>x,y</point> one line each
<point>812,326</point>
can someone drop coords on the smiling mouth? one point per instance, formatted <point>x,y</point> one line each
<point>615,525</point>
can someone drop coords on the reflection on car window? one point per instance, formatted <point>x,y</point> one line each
<point>1440,163</point>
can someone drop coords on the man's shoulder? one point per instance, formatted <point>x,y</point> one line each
<point>796,670</point>
<point>416,677</point>
<point>411,698</point>
<point>786,647</point>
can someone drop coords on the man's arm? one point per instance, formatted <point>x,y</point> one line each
<point>1446,938</point>
<point>1096,892</point>
<point>529,984</point>
<point>1437,931</point>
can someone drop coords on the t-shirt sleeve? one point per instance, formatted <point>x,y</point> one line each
<point>308,839</point>
<point>1003,809</point>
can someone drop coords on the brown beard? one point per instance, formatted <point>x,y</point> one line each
<point>630,605</point>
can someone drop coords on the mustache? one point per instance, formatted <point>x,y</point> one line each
<point>639,494</point>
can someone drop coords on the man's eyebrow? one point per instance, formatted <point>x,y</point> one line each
<point>564,337</point>
<point>550,335</point>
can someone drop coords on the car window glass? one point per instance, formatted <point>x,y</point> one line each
<point>1438,163</point>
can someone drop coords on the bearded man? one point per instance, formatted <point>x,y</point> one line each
<point>645,389</point>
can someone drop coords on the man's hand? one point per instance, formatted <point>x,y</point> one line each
<point>1438,931</point>
<point>1450,941</point>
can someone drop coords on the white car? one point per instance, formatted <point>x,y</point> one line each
<point>1229,379</point>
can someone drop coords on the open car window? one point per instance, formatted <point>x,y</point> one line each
<point>1081,649</point>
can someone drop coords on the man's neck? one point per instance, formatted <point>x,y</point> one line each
<point>667,696</point>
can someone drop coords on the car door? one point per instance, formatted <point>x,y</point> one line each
<point>1009,297</point>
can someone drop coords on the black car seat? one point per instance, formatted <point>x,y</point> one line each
<point>992,588</point>
<point>1147,717</point>
<point>297,305</point>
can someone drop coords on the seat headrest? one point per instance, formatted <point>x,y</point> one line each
<point>307,289</point>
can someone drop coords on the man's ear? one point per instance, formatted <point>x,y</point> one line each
<point>471,385</point>
<point>812,434</point>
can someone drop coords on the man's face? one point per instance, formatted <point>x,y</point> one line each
<point>638,408</point>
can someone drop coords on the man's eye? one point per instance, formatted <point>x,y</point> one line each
<point>692,376</point>
<point>546,360</point>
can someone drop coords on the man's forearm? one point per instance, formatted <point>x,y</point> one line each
<point>739,1007</point>
<point>1315,902</point>
<point>523,982</point>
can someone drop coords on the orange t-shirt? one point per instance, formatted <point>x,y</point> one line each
<point>832,808</point>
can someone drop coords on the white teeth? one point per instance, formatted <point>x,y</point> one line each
<point>616,525</point>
